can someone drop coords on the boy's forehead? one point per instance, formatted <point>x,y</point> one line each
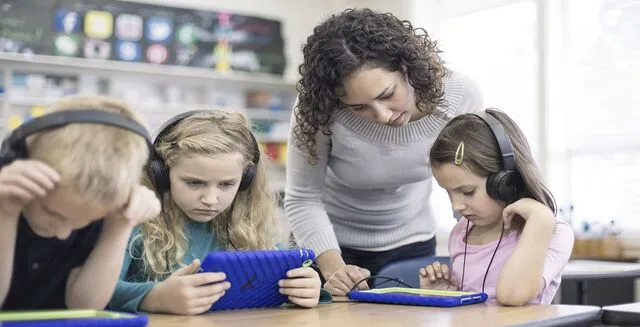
<point>67,202</point>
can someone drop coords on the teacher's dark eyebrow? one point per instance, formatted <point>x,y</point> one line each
<point>382,94</point>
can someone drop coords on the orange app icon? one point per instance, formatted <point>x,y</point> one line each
<point>98,24</point>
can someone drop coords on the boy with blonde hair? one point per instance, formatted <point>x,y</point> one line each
<point>70,195</point>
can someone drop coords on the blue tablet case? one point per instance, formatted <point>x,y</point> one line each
<point>416,296</point>
<point>254,275</point>
<point>71,318</point>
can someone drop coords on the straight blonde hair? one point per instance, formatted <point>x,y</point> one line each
<point>96,161</point>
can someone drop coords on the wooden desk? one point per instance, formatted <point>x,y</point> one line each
<point>371,315</point>
<point>622,315</point>
<point>581,271</point>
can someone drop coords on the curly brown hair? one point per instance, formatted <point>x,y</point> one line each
<point>345,43</point>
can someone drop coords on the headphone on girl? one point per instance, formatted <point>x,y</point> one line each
<point>14,146</point>
<point>505,185</point>
<point>159,172</point>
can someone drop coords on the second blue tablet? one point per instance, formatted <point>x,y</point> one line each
<point>71,318</point>
<point>254,275</point>
<point>416,296</point>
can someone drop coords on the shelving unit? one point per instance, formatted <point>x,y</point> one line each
<point>62,65</point>
<point>123,79</point>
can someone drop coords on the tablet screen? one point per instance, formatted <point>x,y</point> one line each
<point>418,292</point>
<point>414,294</point>
<point>61,314</point>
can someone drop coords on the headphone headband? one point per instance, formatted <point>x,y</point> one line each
<point>172,122</point>
<point>14,146</point>
<point>179,117</point>
<point>504,143</point>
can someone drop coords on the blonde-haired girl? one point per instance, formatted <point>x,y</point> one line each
<point>215,196</point>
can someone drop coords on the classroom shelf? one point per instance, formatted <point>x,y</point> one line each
<point>107,68</point>
<point>252,113</point>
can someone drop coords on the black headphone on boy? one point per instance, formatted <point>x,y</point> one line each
<point>14,146</point>
<point>160,174</point>
<point>505,185</point>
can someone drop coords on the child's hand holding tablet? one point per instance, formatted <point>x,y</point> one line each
<point>187,292</point>
<point>302,286</point>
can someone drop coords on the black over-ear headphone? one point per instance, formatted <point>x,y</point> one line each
<point>507,184</point>
<point>160,174</point>
<point>14,146</point>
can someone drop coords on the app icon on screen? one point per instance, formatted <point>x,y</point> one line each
<point>159,29</point>
<point>128,51</point>
<point>97,49</point>
<point>66,45</point>
<point>157,54</point>
<point>186,34</point>
<point>98,24</point>
<point>67,22</point>
<point>129,27</point>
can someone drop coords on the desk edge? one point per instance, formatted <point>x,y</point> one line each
<point>567,321</point>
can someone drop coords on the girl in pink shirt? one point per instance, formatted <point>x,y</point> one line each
<point>508,243</point>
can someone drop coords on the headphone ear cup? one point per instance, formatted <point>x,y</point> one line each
<point>6,158</point>
<point>159,175</point>
<point>505,185</point>
<point>7,154</point>
<point>512,186</point>
<point>492,186</point>
<point>248,176</point>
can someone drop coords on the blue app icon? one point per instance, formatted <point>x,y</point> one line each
<point>128,51</point>
<point>159,29</point>
<point>67,22</point>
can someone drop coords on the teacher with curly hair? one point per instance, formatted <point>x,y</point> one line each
<point>373,95</point>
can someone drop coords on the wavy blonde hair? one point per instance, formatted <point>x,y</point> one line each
<point>250,223</point>
<point>97,161</point>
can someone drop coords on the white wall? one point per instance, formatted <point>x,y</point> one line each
<point>400,8</point>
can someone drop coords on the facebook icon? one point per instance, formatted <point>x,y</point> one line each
<point>67,21</point>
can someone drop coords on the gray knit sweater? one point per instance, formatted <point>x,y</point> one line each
<point>371,186</point>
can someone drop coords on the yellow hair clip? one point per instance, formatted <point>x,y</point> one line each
<point>459,154</point>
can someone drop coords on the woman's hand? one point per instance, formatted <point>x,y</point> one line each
<point>342,281</point>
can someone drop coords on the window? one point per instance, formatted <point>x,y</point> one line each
<point>597,167</point>
<point>496,46</point>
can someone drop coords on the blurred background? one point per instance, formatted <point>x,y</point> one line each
<point>568,71</point>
